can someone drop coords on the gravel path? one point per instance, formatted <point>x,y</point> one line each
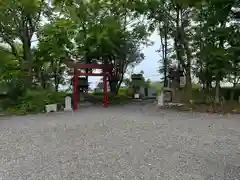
<point>131,142</point>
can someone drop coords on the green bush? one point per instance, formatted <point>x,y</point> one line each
<point>123,91</point>
<point>34,101</point>
<point>118,99</point>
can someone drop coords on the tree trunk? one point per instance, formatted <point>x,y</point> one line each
<point>208,85</point>
<point>219,73</point>
<point>27,56</point>
<point>188,64</point>
<point>56,81</point>
<point>113,87</point>
<point>87,59</point>
<point>217,91</point>
<point>188,77</point>
<point>164,47</point>
<point>43,80</point>
<point>166,56</point>
<point>233,92</point>
<point>177,40</point>
<point>236,80</point>
<point>163,57</point>
<point>120,82</point>
<point>116,84</point>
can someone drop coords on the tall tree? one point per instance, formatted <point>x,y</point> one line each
<point>103,35</point>
<point>54,49</point>
<point>19,21</point>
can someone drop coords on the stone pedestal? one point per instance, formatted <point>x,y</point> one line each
<point>136,96</point>
<point>161,99</point>
<point>68,104</point>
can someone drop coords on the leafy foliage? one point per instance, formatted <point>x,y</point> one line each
<point>34,101</point>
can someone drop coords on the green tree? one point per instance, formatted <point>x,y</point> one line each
<point>102,35</point>
<point>54,49</point>
<point>19,21</point>
<point>10,75</point>
<point>212,39</point>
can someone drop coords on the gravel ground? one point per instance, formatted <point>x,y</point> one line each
<point>130,142</point>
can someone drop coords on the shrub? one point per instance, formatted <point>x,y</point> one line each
<point>123,91</point>
<point>118,99</point>
<point>34,101</point>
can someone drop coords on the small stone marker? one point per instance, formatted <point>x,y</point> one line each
<point>68,104</point>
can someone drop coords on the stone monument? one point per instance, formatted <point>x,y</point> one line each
<point>161,99</point>
<point>68,104</point>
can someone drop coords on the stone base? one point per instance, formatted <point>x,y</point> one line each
<point>136,96</point>
<point>67,109</point>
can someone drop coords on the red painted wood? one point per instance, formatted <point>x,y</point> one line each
<point>105,90</point>
<point>86,74</point>
<point>89,66</point>
<point>75,89</point>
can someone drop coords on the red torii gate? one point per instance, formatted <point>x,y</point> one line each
<point>77,67</point>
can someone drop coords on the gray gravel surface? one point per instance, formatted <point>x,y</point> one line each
<point>130,142</point>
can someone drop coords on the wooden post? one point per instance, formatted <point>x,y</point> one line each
<point>105,89</point>
<point>75,90</point>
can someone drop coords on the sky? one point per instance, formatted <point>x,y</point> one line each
<point>149,65</point>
